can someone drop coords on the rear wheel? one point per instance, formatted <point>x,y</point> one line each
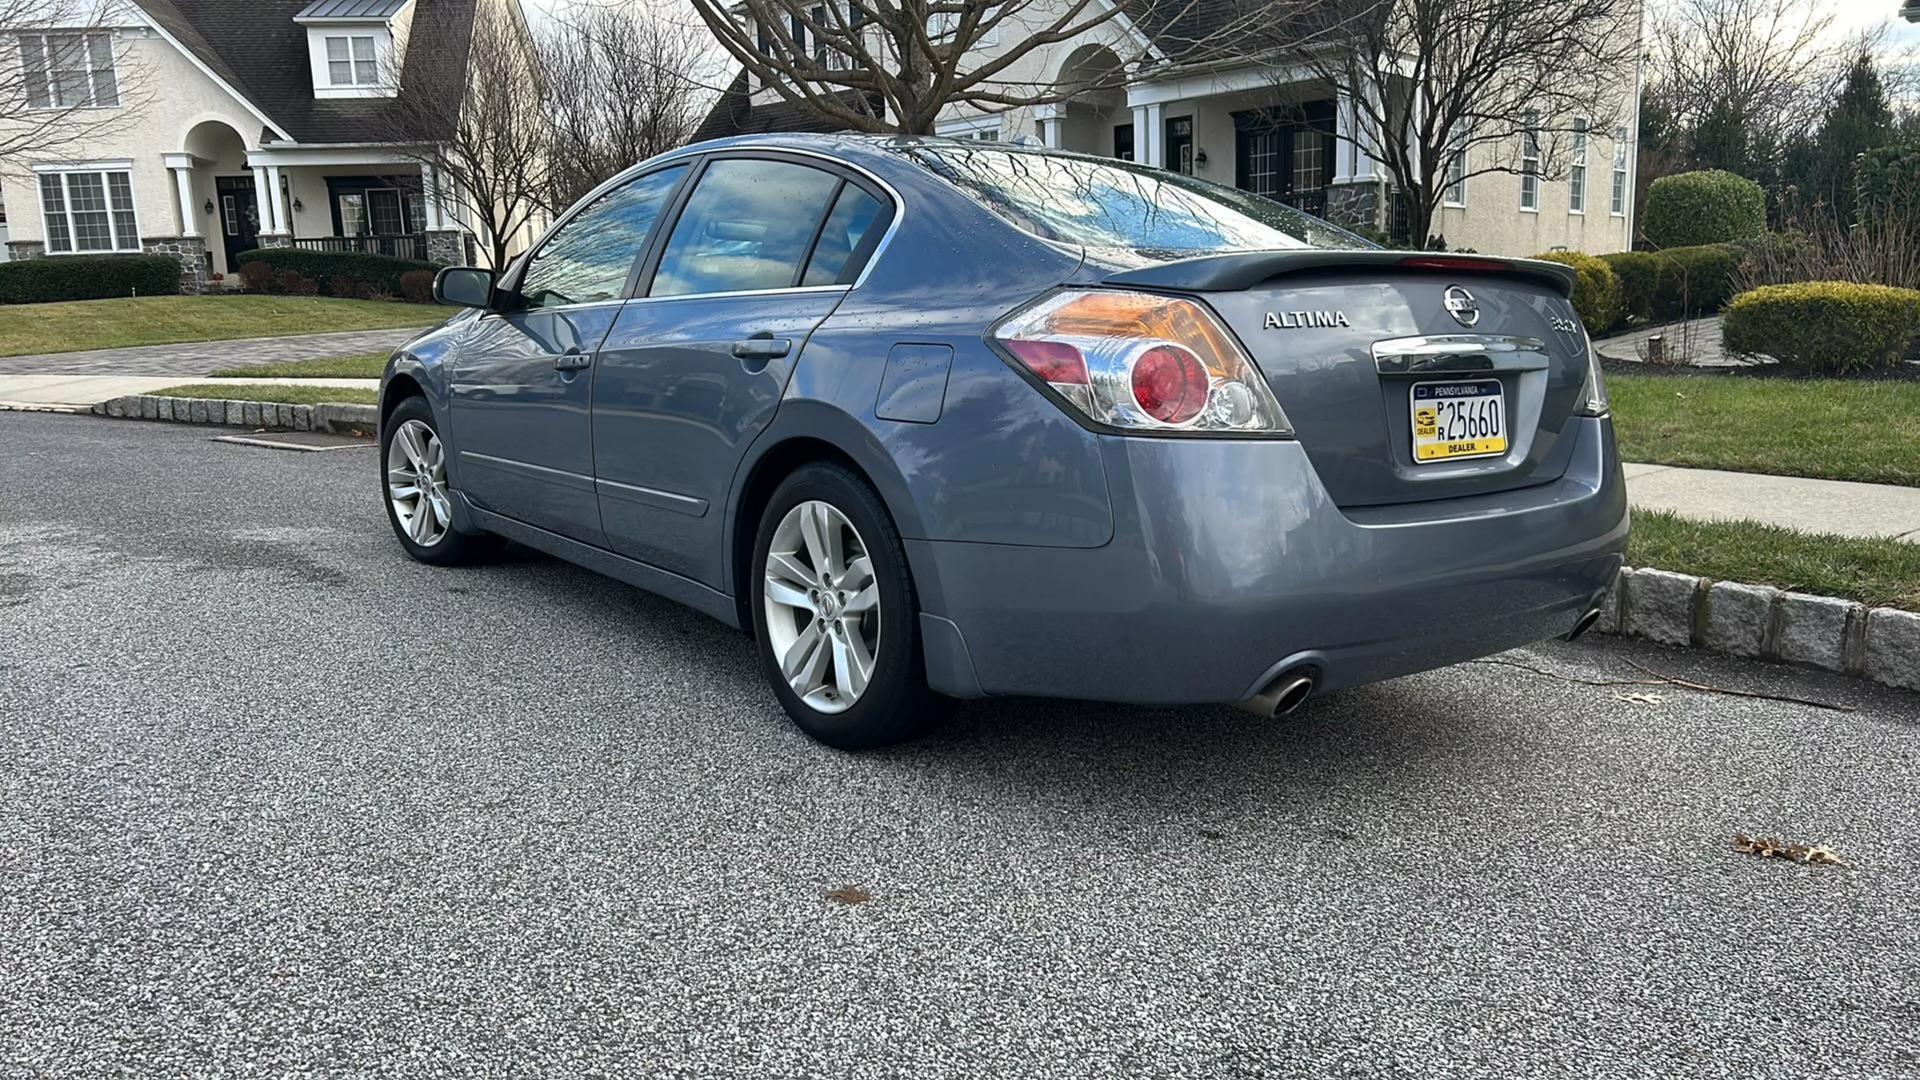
<point>835,617</point>
<point>419,500</point>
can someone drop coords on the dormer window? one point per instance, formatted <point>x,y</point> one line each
<point>350,60</point>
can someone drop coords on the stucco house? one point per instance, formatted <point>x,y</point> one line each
<point>260,123</point>
<point>1280,134</point>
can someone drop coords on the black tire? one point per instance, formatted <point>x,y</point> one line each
<point>455,548</point>
<point>896,704</point>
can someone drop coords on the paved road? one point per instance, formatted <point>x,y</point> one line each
<point>196,358</point>
<point>275,801</point>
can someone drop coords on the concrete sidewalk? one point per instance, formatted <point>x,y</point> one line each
<point>201,357</point>
<point>77,393</point>
<point>1815,506</point>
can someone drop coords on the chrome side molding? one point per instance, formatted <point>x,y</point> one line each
<point>1442,354</point>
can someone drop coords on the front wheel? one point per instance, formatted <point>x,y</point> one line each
<point>414,481</point>
<point>835,616</point>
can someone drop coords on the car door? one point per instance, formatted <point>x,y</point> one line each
<point>762,252</point>
<point>522,381</point>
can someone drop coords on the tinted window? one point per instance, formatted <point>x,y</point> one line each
<point>854,213</point>
<point>746,226</point>
<point>1116,204</point>
<point>588,259</point>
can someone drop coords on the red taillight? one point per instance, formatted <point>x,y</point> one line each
<point>1054,361</point>
<point>1456,265</point>
<point>1170,384</point>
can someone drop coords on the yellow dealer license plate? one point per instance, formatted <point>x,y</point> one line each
<point>1453,420</point>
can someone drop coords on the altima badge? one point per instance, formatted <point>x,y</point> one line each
<point>1298,320</point>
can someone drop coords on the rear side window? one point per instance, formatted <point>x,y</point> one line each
<point>848,227</point>
<point>1119,205</point>
<point>588,259</point>
<point>748,225</point>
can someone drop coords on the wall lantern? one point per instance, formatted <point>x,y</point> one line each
<point>209,207</point>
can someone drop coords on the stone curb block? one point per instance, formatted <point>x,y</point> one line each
<point>335,419</point>
<point>1881,644</point>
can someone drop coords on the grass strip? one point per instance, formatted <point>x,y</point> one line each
<point>1878,573</point>
<point>274,392</point>
<point>1830,429</point>
<point>27,329</point>
<point>368,366</point>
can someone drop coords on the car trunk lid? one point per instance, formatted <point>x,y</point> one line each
<point>1357,345</point>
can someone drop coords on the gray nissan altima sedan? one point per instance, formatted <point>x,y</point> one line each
<point>939,419</point>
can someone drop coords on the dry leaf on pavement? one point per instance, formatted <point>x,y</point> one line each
<point>1767,847</point>
<point>849,895</point>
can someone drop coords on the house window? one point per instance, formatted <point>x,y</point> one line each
<point>88,211</point>
<point>1309,160</point>
<point>350,61</point>
<point>1620,172</point>
<point>1123,142</point>
<point>353,214</point>
<point>1530,164</point>
<point>68,71</point>
<point>1577,177</point>
<point>1456,193</point>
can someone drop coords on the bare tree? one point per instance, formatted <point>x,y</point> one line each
<point>64,79</point>
<point>894,65</point>
<point>1741,77</point>
<point>1445,90</point>
<point>620,87</point>
<point>469,108</point>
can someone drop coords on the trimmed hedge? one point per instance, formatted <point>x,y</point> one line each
<point>1596,291</point>
<point>1825,327</point>
<point>1711,207</point>
<point>381,272</point>
<point>88,277</point>
<point>1677,283</point>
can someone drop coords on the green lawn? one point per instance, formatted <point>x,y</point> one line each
<point>369,366</point>
<point>1882,573</point>
<point>1831,429</point>
<point>285,395</point>
<point>160,320</point>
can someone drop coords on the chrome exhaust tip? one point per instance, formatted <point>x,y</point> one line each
<point>1584,624</point>
<point>1286,693</point>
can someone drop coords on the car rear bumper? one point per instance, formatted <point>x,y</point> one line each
<point>1230,564</point>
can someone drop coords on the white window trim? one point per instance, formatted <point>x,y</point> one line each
<point>1582,147</point>
<point>13,41</point>
<point>106,191</point>
<point>970,127</point>
<point>1460,157</point>
<point>1530,163</point>
<point>353,62</point>
<point>1619,176</point>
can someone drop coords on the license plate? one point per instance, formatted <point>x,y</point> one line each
<point>1453,420</point>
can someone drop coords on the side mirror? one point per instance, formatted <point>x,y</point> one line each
<point>464,286</point>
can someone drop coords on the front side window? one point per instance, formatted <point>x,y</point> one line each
<point>748,225</point>
<point>88,211</point>
<point>587,261</point>
<point>69,71</point>
<point>1118,205</point>
<point>350,61</point>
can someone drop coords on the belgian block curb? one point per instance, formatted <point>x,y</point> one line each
<point>338,419</point>
<point>1881,644</point>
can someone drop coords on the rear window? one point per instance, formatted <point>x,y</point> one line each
<point>1117,204</point>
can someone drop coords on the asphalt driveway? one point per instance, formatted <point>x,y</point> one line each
<point>274,800</point>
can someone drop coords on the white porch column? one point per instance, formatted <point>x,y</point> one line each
<point>282,221</point>
<point>1049,117</point>
<point>430,191</point>
<point>182,167</point>
<point>1150,134</point>
<point>263,200</point>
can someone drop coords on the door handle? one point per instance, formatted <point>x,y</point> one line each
<point>762,347</point>
<point>571,360</point>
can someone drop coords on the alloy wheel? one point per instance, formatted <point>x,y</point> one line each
<point>417,483</point>
<point>822,605</point>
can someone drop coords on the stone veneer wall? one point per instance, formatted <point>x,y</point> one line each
<point>192,253</point>
<point>1358,203</point>
<point>448,247</point>
<point>22,250</point>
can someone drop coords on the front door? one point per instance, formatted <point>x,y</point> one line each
<point>239,217</point>
<point>1180,144</point>
<point>523,377</point>
<point>763,252</point>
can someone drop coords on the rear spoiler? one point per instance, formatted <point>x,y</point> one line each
<point>1233,271</point>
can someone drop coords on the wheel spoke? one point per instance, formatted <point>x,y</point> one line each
<point>851,665</point>
<point>833,540</point>
<point>406,491</point>
<point>410,443</point>
<point>801,651</point>
<point>781,591</point>
<point>417,525</point>
<point>859,574</point>
<point>812,520</point>
<point>864,600</point>
<point>442,511</point>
